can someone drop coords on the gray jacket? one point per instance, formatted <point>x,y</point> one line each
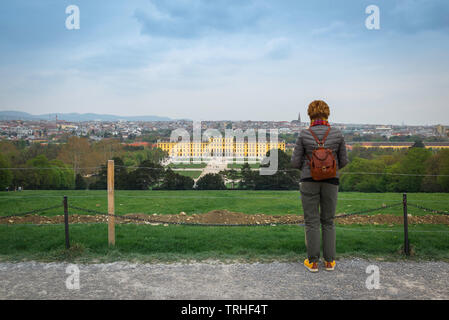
<point>305,144</point>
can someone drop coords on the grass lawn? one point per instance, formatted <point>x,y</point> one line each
<point>192,174</point>
<point>240,165</point>
<point>188,165</point>
<point>194,201</point>
<point>172,243</point>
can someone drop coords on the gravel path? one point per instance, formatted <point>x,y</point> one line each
<point>213,166</point>
<point>215,280</point>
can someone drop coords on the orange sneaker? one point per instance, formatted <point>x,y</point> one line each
<point>311,266</point>
<point>329,266</point>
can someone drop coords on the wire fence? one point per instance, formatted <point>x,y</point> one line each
<point>299,221</point>
<point>118,195</point>
<point>429,210</point>
<point>71,209</point>
<point>30,212</point>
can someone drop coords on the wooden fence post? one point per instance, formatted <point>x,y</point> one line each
<point>111,218</point>
<point>66,223</point>
<point>406,242</point>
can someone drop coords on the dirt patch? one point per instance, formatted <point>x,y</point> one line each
<point>390,219</point>
<point>224,217</point>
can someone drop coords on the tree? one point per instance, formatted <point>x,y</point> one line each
<point>373,153</point>
<point>101,179</point>
<point>120,174</point>
<point>430,183</point>
<point>66,175</point>
<point>407,173</point>
<point>211,181</point>
<point>354,181</point>
<point>50,151</point>
<point>418,144</point>
<point>121,177</point>
<point>175,181</point>
<point>80,182</point>
<point>284,161</point>
<point>39,173</point>
<point>148,174</point>
<point>156,155</point>
<point>133,158</point>
<point>248,177</point>
<point>45,176</point>
<point>5,174</point>
<point>443,165</point>
<point>78,153</point>
<point>285,177</point>
<point>107,149</point>
<point>9,151</point>
<point>232,175</point>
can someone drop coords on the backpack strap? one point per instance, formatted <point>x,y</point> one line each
<point>326,134</point>
<point>318,140</point>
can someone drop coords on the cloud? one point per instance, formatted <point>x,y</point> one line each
<point>195,18</point>
<point>419,15</point>
<point>334,27</point>
<point>256,59</point>
<point>278,48</point>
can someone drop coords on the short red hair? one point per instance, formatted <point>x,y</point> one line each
<point>318,109</point>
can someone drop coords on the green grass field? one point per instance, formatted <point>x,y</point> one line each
<point>192,201</point>
<point>174,243</point>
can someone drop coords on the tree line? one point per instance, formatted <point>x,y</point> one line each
<point>414,169</point>
<point>42,173</point>
<point>64,166</point>
<point>38,173</point>
<point>79,164</point>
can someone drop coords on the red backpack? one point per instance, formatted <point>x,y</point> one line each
<point>322,164</point>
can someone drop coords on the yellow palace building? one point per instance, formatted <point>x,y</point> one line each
<point>221,147</point>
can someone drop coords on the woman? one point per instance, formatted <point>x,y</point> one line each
<point>319,197</point>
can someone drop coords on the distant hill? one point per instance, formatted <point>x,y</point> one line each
<point>74,117</point>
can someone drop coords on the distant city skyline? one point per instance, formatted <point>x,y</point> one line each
<point>86,117</point>
<point>228,59</point>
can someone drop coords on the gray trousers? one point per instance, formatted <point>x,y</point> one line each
<point>319,202</point>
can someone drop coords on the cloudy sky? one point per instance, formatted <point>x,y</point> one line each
<point>228,59</point>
